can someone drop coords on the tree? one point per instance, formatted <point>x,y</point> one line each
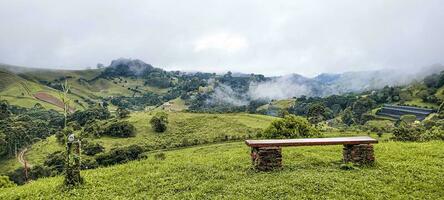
<point>316,113</point>
<point>360,107</point>
<point>347,117</point>
<point>82,117</point>
<point>120,155</point>
<point>291,126</point>
<point>159,122</point>
<point>120,129</point>
<point>408,132</point>
<point>4,110</point>
<point>91,149</point>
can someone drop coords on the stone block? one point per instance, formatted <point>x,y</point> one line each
<point>360,154</point>
<point>266,158</point>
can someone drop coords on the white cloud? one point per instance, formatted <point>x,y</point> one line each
<point>226,42</point>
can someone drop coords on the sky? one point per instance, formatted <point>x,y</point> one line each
<point>276,37</point>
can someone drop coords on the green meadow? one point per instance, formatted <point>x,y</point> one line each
<point>404,170</point>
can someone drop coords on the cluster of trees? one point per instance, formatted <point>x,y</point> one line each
<point>423,131</point>
<point>159,122</point>
<point>90,114</point>
<point>139,102</point>
<point>113,128</point>
<point>120,155</point>
<point>20,127</point>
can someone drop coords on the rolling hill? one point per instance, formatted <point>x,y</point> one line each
<point>185,129</point>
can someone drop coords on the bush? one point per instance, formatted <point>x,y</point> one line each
<point>5,182</point>
<point>379,126</point>
<point>18,176</point>
<point>434,133</point>
<point>159,122</point>
<point>290,126</point>
<point>88,164</point>
<point>91,149</point>
<point>120,155</point>
<point>92,129</point>
<point>120,129</point>
<point>56,161</point>
<point>40,171</point>
<point>408,132</point>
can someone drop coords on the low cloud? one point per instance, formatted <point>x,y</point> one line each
<point>279,88</point>
<point>224,94</point>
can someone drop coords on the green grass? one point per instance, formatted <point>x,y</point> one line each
<point>184,129</point>
<point>19,88</point>
<point>223,171</point>
<point>278,104</point>
<point>188,128</point>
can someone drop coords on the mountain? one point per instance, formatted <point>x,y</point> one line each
<point>125,78</point>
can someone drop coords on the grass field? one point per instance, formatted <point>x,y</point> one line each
<point>184,129</point>
<point>223,171</point>
<point>19,89</point>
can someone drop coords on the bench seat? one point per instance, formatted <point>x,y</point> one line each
<point>311,141</point>
<point>267,154</point>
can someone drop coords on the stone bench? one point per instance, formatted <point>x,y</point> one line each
<point>267,154</point>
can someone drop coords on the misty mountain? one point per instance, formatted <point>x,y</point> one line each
<point>127,67</point>
<point>295,85</point>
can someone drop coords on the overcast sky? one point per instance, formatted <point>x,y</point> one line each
<point>270,37</point>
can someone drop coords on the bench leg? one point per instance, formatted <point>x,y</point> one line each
<point>359,153</point>
<point>266,158</point>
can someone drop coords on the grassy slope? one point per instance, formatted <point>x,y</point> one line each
<point>183,127</point>
<point>27,82</point>
<point>223,171</point>
<point>279,104</point>
<point>19,91</point>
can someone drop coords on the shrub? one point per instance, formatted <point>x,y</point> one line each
<point>120,129</point>
<point>159,122</point>
<point>91,149</point>
<point>120,155</point>
<point>408,132</point>
<point>56,161</point>
<point>40,171</point>
<point>379,126</point>
<point>434,133</point>
<point>290,126</point>
<point>92,129</point>
<point>5,182</point>
<point>17,176</point>
<point>89,164</point>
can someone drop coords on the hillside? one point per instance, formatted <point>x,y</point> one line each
<point>184,129</point>
<point>135,84</point>
<point>222,171</point>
